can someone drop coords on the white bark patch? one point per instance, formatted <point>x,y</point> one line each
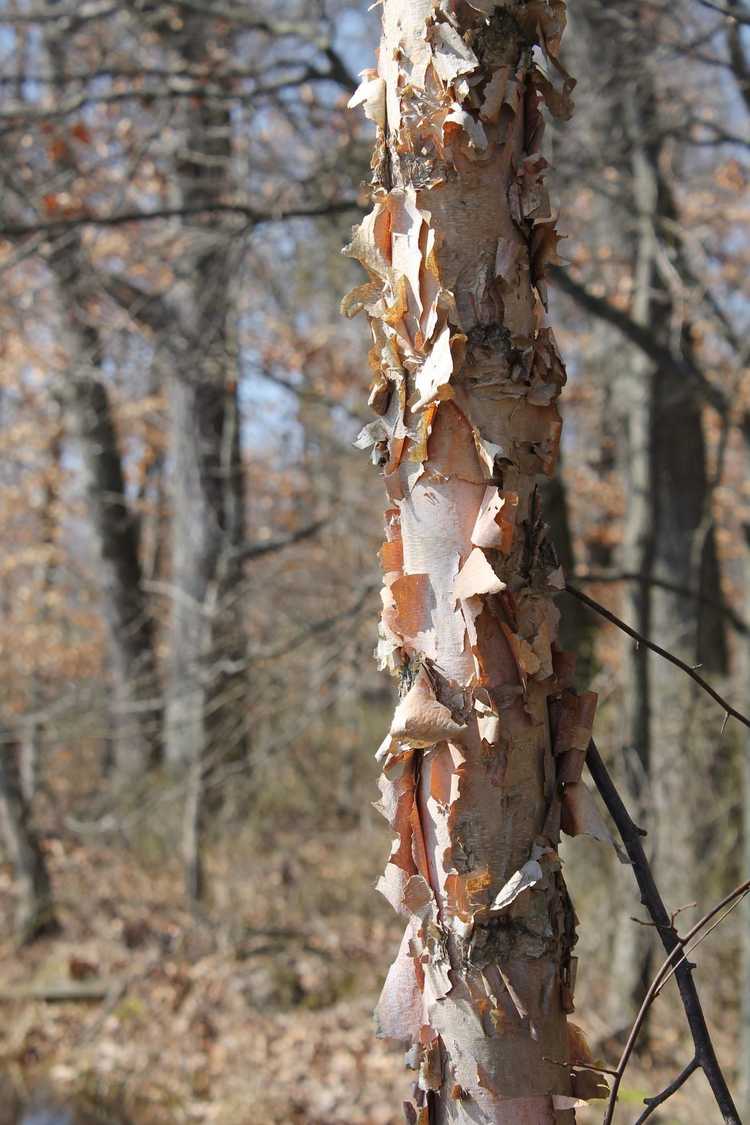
<point>488,531</point>
<point>434,376</point>
<point>451,56</point>
<point>476,576</point>
<point>526,877</point>
<point>399,1010</point>
<point>473,129</point>
<point>406,252</point>
<point>371,95</point>
<point>420,718</point>
<point>494,94</point>
<point>562,1101</point>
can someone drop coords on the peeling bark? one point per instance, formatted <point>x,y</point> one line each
<point>482,765</point>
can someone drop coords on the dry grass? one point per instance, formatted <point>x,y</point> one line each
<point>259,1011</point>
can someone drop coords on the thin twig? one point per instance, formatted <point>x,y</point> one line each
<point>631,632</point>
<point>674,945</point>
<point>251,214</point>
<point>653,1104</point>
<point>602,576</point>
<point>743,891</point>
<point>666,970</point>
<point>270,546</point>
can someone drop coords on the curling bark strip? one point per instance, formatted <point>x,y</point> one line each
<point>482,764</point>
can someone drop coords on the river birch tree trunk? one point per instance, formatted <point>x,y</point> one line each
<point>482,764</point>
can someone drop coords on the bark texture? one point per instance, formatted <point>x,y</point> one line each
<point>482,764</point>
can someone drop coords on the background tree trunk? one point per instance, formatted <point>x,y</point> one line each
<point>136,703</point>
<point>35,912</point>
<point>205,710</point>
<point>207,720</point>
<point>668,536</point>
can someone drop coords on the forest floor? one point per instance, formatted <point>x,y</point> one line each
<point>257,1013</point>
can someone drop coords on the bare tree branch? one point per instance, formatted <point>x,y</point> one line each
<point>659,1099</point>
<point>52,14</point>
<point>631,835</point>
<point>257,550</point>
<point>694,675</point>
<point>322,625</point>
<point>642,337</point>
<point>306,394</point>
<point>737,622</point>
<point>738,58</point>
<point>207,90</point>
<point>675,961</point>
<point>254,217</point>
<point>729,10</point>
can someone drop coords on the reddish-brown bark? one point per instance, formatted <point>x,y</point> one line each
<point>481,767</point>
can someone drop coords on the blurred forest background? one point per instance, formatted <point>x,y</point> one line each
<point>188,702</point>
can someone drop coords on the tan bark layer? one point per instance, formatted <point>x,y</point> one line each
<point>482,765</point>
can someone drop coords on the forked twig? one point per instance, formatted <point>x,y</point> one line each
<point>676,959</point>
<point>676,962</point>
<point>652,1104</point>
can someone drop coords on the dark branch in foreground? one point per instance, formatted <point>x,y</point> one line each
<point>609,616</point>
<point>674,945</point>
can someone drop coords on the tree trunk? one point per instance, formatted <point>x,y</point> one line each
<point>578,627</point>
<point>32,727</point>
<point>483,759</point>
<point>35,913</point>
<point>634,945</point>
<point>669,536</point>
<point>207,721</point>
<point>136,703</point>
<point>205,700</point>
